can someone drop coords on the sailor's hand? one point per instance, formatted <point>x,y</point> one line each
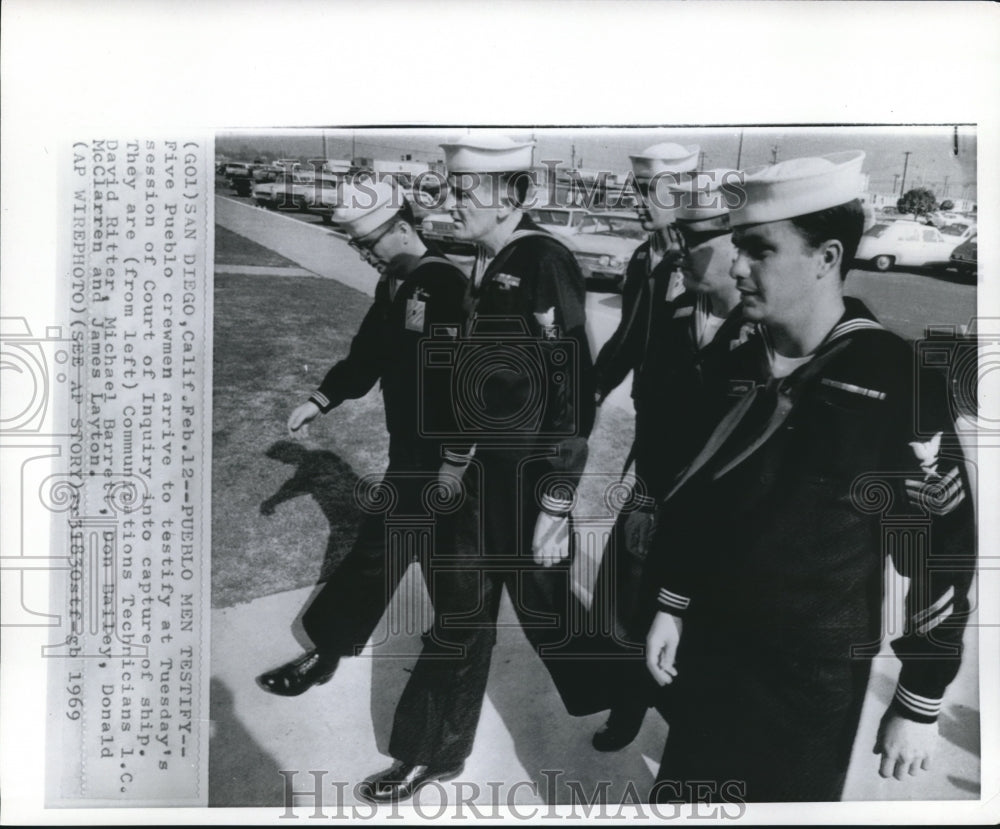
<point>661,647</point>
<point>906,746</point>
<point>299,419</point>
<point>550,544</point>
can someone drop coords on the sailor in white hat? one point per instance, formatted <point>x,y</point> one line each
<point>654,171</point>
<point>769,556</point>
<point>528,409</point>
<point>674,366</point>
<point>653,275</point>
<point>419,293</point>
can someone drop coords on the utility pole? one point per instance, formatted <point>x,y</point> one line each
<point>701,160</point>
<point>906,161</point>
<point>944,187</point>
<point>326,153</point>
<point>354,149</point>
<point>739,152</point>
<point>572,163</point>
<point>895,181</point>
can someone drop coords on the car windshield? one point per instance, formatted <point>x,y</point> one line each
<point>549,217</point>
<point>621,226</point>
<point>954,230</point>
<point>629,228</point>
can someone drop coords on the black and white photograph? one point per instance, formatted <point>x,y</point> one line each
<point>510,413</point>
<point>596,451</point>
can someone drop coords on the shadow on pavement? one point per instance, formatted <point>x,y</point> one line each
<point>241,772</point>
<point>961,783</point>
<point>554,747</point>
<point>959,725</point>
<point>330,481</point>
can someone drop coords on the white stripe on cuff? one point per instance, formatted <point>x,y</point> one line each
<point>945,598</point>
<point>920,705</point>
<point>674,600</point>
<point>643,501</point>
<point>321,399</point>
<point>456,458</point>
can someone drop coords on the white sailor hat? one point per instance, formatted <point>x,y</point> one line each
<point>365,206</point>
<point>799,186</point>
<point>664,158</point>
<point>702,200</point>
<point>486,153</point>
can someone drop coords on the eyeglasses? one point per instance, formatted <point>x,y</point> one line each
<point>366,244</point>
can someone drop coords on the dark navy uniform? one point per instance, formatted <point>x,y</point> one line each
<point>670,426</point>
<point>671,376</point>
<point>414,298</point>
<point>644,302</point>
<point>771,549</point>
<point>531,447</point>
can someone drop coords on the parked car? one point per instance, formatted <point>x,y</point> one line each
<point>907,243</point>
<point>323,195</point>
<point>960,231</point>
<point>289,191</point>
<point>604,243</point>
<point>437,226</point>
<point>266,172</point>
<point>563,221</point>
<point>438,229</point>
<point>237,168</point>
<point>964,258</point>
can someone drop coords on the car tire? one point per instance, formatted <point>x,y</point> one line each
<point>883,263</point>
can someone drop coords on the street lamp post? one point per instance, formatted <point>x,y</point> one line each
<point>906,161</point>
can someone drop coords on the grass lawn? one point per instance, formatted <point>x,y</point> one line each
<point>233,249</point>
<point>283,511</point>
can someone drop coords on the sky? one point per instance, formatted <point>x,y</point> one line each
<point>932,162</point>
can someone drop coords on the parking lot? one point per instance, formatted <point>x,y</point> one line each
<point>907,301</point>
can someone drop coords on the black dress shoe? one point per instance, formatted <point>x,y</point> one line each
<point>621,728</point>
<point>299,675</point>
<point>403,779</point>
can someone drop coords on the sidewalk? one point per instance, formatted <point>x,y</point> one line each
<point>525,742</point>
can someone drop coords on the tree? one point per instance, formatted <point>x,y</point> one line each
<point>919,201</point>
<point>947,204</point>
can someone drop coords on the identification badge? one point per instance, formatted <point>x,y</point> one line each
<point>415,312</point>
